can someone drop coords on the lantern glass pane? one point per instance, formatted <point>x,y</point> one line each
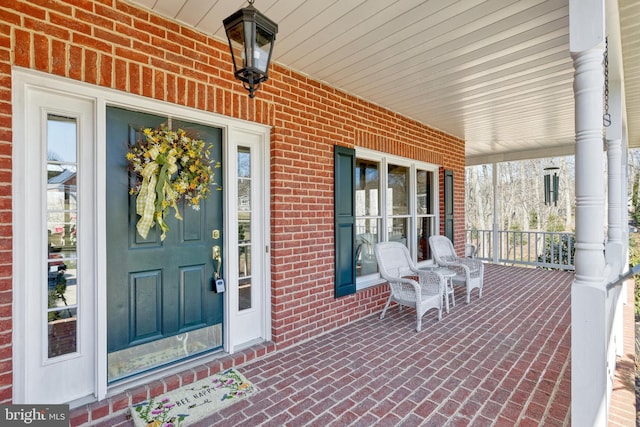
<point>262,49</point>
<point>236,39</point>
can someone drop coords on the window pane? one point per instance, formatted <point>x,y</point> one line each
<point>62,331</point>
<point>244,163</point>
<point>61,230</point>
<point>398,190</point>
<point>244,194</point>
<point>398,230</point>
<point>61,218</point>
<point>367,187</point>
<point>61,143</point>
<point>244,228</point>
<point>423,192</point>
<point>244,262</point>
<point>61,186</point>
<point>425,230</point>
<point>62,282</point>
<point>244,294</point>
<point>366,238</point>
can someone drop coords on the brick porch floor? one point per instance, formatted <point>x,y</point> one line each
<point>502,360</point>
<point>622,411</point>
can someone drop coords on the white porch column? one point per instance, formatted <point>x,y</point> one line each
<point>615,247</point>
<point>496,216</point>
<point>614,217</point>
<point>615,252</point>
<point>588,295</point>
<point>617,146</point>
<point>615,195</point>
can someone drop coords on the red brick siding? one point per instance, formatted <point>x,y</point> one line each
<point>131,50</point>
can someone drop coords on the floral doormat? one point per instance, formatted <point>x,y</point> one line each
<point>192,402</point>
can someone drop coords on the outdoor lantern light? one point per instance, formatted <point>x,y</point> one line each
<point>251,36</point>
<point>551,181</point>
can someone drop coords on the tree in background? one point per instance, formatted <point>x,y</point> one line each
<point>521,200</point>
<point>520,196</point>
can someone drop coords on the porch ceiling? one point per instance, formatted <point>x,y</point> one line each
<point>497,73</point>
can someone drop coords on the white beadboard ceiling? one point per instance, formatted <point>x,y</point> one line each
<point>496,73</point>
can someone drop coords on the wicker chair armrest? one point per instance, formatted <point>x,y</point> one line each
<point>432,281</point>
<point>471,263</point>
<point>447,262</point>
<point>405,288</point>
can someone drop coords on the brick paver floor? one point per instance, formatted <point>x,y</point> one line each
<point>502,360</point>
<point>622,410</point>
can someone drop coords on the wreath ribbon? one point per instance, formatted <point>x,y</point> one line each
<point>145,202</point>
<point>155,192</point>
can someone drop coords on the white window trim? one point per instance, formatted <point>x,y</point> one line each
<point>384,159</point>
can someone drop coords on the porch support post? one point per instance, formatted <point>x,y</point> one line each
<point>615,170</point>
<point>617,147</point>
<point>496,215</point>
<point>616,248</point>
<point>615,252</point>
<point>588,295</point>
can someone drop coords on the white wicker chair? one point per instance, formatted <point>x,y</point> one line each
<point>398,269</point>
<point>470,250</point>
<point>470,271</point>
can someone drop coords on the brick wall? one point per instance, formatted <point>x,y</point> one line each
<point>113,44</point>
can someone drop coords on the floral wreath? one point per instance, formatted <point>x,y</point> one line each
<point>170,166</point>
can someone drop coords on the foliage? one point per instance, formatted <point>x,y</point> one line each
<point>57,292</point>
<point>559,249</point>
<point>519,186</point>
<point>555,223</point>
<point>516,236</point>
<point>170,166</point>
<point>533,220</point>
<point>634,259</point>
<point>634,198</point>
<point>241,237</point>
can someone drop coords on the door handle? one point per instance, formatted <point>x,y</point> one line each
<point>216,255</point>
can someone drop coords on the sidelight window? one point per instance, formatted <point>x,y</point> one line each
<point>61,219</point>
<point>244,207</point>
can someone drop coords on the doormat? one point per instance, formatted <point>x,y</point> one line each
<point>193,402</point>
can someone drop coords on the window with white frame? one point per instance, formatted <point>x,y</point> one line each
<point>396,200</point>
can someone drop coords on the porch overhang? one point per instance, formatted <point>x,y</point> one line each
<point>496,74</point>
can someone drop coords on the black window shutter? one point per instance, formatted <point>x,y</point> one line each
<point>448,204</point>
<point>345,220</point>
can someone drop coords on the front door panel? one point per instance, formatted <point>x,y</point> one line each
<point>161,302</point>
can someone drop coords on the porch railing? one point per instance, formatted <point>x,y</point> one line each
<point>537,248</point>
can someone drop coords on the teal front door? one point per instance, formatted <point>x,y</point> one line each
<point>162,305</point>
